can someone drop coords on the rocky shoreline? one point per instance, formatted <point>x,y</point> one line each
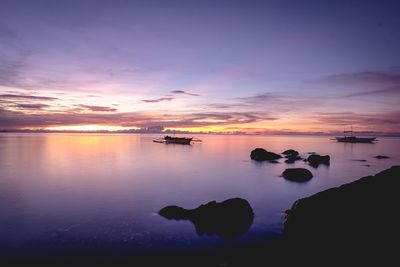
<point>357,220</point>
<point>352,223</point>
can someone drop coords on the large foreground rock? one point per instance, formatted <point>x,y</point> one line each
<point>358,220</point>
<point>260,154</point>
<point>228,219</point>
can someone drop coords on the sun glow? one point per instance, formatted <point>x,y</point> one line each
<point>92,127</point>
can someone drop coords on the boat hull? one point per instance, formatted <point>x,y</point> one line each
<point>174,140</point>
<point>182,141</point>
<point>356,139</point>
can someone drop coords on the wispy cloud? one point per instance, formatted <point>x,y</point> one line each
<point>158,100</point>
<point>98,108</point>
<point>223,105</point>
<point>18,119</point>
<point>366,77</point>
<point>370,121</point>
<point>183,93</point>
<point>26,97</point>
<point>32,106</point>
<point>389,91</point>
<point>259,98</point>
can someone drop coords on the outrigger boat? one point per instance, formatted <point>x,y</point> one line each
<point>354,139</point>
<point>176,140</point>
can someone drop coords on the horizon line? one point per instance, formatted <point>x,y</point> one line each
<point>144,131</point>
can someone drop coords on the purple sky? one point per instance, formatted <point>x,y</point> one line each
<point>254,66</point>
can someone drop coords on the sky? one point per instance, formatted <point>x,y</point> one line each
<point>202,66</point>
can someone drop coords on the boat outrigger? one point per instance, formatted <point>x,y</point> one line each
<point>176,140</point>
<point>354,139</point>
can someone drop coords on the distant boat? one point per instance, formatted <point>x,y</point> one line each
<point>176,140</point>
<point>354,139</point>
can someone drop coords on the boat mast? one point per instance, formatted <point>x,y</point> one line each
<point>351,132</point>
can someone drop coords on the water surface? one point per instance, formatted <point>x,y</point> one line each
<point>98,190</point>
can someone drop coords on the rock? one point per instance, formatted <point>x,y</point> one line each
<point>381,157</point>
<point>297,174</point>
<point>292,159</point>
<point>358,219</point>
<point>290,153</point>
<point>361,160</point>
<point>273,161</point>
<point>228,219</point>
<point>174,212</point>
<point>260,154</point>
<point>316,159</point>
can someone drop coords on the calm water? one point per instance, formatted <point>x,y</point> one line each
<point>80,190</point>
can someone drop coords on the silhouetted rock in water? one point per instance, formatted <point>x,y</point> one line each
<point>228,219</point>
<point>290,153</point>
<point>260,154</point>
<point>361,160</point>
<point>316,160</point>
<point>367,165</point>
<point>174,212</point>
<point>382,157</point>
<point>292,159</point>
<point>273,161</point>
<point>357,220</point>
<point>297,174</point>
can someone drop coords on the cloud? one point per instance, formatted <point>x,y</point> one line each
<point>32,106</point>
<point>222,105</point>
<point>98,108</point>
<point>158,100</point>
<point>372,121</point>
<point>389,91</point>
<point>366,77</point>
<point>183,92</point>
<point>259,98</point>
<point>13,54</point>
<point>249,101</point>
<point>10,119</point>
<point>26,97</point>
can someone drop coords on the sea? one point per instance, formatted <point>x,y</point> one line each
<point>63,191</point>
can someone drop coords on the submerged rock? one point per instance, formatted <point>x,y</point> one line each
<point>292,159</point>
<point>316,160</point>
<point>228,219</point>
<point>273,161</point>
<point>356,217</point>
<point>382,157</point>
<point>297,174</point>
<point>290,153</point>
<point>260,154</point>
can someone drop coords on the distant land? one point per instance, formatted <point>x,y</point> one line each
<point>161,130</point>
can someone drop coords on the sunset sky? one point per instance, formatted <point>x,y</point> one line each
<point>222,66</point>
